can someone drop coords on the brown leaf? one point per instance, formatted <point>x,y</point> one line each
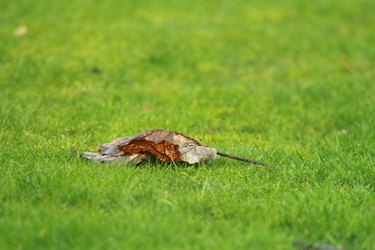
<point>167,146</point>
<point>131,159</point>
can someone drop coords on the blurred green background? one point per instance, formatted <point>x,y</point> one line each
<point>290,83</point>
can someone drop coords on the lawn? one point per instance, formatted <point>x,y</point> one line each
<point>290,83</point>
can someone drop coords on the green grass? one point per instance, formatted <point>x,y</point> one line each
<point>290,83</point>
